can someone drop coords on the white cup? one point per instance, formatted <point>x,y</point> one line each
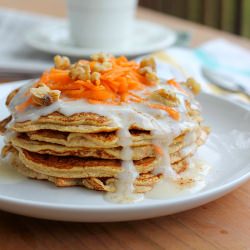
<point>101,24</point>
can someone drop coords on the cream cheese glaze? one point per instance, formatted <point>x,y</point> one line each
<point>163,128</point>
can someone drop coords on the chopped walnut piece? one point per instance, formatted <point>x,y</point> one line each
<point>145,70</point>
<point>148,62</point>
<point>100,67</point>
<point>152,77</point>
<point>95,77</point>
<point>82,62</point>
<point>44,96</point>
<point>149,70</point>
<point>100,57</point>
<point>166,97</point>
<point>61,62</point>
<point>192,85</point>
<point>80,71</point>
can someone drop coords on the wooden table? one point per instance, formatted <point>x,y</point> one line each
<point>222,224</point>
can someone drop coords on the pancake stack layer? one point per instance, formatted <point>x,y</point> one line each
<point>123,148</point>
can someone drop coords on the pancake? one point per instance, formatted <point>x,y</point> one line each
<point>65,127</point>
<point>75,167</point>
<point>143,183</point>
<point>90,140</point>
<point>24,142</point>
<point>100,140</point>
<point>77,123</point>
<point>139,152</point>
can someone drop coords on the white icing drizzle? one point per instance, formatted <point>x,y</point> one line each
<point>163,128</point>
<point>125,180</point>
<point>164,165</point>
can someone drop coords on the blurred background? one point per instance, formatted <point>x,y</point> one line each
<point>209,38</point>
<point>228,15</point>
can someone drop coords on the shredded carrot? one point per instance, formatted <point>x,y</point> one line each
<point>115,84</point>
<point>176,85</point>
<point>135,100</point>
<point>101,95</point>
<point>21,107</point>
<point>89,85</point>
<point>59,76</point>
<point>124,97</point>
<point>158,150</point>
<point>134,95</point>
<point>45,77</point>
<point>103,102</point>
<point>74,94</point>
<point>173,113</point>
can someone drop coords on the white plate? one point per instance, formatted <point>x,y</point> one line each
<point>227,151</point>
<point>147,37</point>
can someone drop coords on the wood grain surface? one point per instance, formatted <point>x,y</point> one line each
<point>222,224</point>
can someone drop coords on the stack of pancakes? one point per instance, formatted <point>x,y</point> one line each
<point>108,124</point>
<point>83,150</point>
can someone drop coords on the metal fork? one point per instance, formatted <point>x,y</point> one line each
<point>224,81</point>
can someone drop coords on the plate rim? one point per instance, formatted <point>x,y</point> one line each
<point>217,191</point>
<point>31,40</point>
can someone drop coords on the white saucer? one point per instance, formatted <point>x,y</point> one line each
<point>147,37</point>
<point>227,151</point>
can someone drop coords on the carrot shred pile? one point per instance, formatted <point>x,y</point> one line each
<point>115,84</point>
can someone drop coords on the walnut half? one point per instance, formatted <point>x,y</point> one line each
<point>100,57</point>
<point>61,62</point>
<point>100,67</point>
<point>166,97</point>
<point>148,69</point>
<point>44,96</point>
<point>192,85</point>
<point>148,62</point>
<point>80,71</point>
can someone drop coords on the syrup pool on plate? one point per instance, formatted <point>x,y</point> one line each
<point>191,181</point>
